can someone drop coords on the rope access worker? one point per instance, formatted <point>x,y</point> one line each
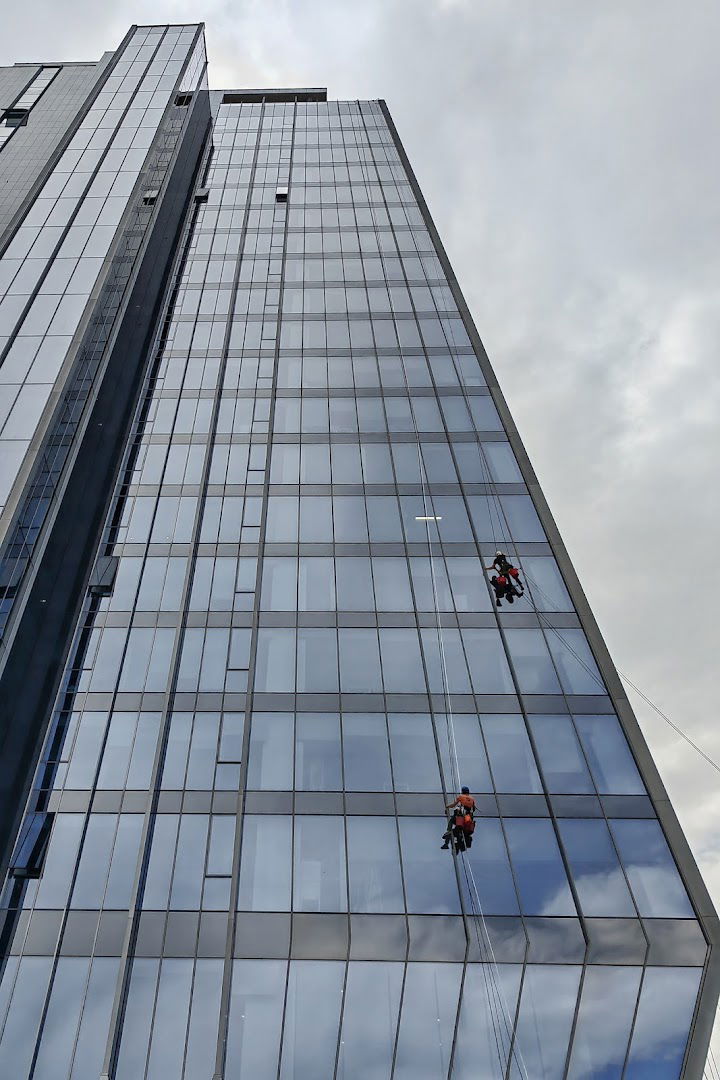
<point>463,815</point>
<point>506,583</point>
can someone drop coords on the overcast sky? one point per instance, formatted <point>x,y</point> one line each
<point>569,153</point>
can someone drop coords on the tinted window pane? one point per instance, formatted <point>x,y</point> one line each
<point>430,887</point>
<point>415,764</point>
<point>374,865</point>
<point>270,760</point>
<point>608,754</point>
<point>489,999</point>
<point>170,1020</point>
<point>319,864</point>
<point>651,870</point>
<point>488,858</point>
<point>366,752</point>
<point>667,1001</point>
<point>595,868</point>
<point>256,1010</point>
<point>469,747</point>
<point>265,863</point>
<point>511,757</point>
<point>547,1007</point>
<point>312,1017</point>
<point>606,1011</point>
<point>427,1022</point>
<point>561,758</point>
<point>367,1041</point>
<point>317,752</point>
<point>539,871</point>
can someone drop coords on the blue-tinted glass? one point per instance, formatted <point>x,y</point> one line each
<point>170,1021</point>
<point>92,1038</point>
<point>256,1012</point>
<point>265,863</point>
<point>316,585</point>
<point>366,752</point>
<point>545,583</point>
<point>392,585</point>
<point>157,883</point>
<point>359,661</point>
<point>430,886</point>
<point>270,759</point>
<point>317,752</point>
<point>607,1005</point>
<point>468,584</point>
<point>608,754</point>
<point>401,661</point>
<point>60,861</point>
<point>63,1015</point>
<point>317,664</point>
<point>204,1015</point>
<point>654,879</point>
<point>489,671</point>
<point>354,584</point>
<point>539,870</point>
<point>279,584</point>
<point>488,858</point>
<point>23,1016</point>
<point>547,1007</point>
<point>469,748</point>
<point>414,756</point>
<point>319,875</point>
<point>667,1001</point>
<point>531,660</point>
<point>561,758</point>
<point>367,1040</point>
<point>189,861</point>
<point>138,1019</point>
<point>447,670</point>
<point>594,865</point>
<point>312,1018</point>
<point>511,757</point>
<point>275,661</point>
<point>487,1014</point>
<point>374,865</point>
<point>575,662</point>
<point>427,1021</point>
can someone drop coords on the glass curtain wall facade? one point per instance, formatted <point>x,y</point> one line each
<point>241,794</point>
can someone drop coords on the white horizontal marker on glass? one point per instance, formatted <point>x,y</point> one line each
<point>430,518</point>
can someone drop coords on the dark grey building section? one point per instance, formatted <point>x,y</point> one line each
<point>251,635</point>
<point>27,155</point>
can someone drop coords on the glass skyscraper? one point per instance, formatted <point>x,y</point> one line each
<point>254,463</point>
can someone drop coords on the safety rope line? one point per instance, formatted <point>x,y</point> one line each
<point>491,969</point>
<point>626,679</point>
